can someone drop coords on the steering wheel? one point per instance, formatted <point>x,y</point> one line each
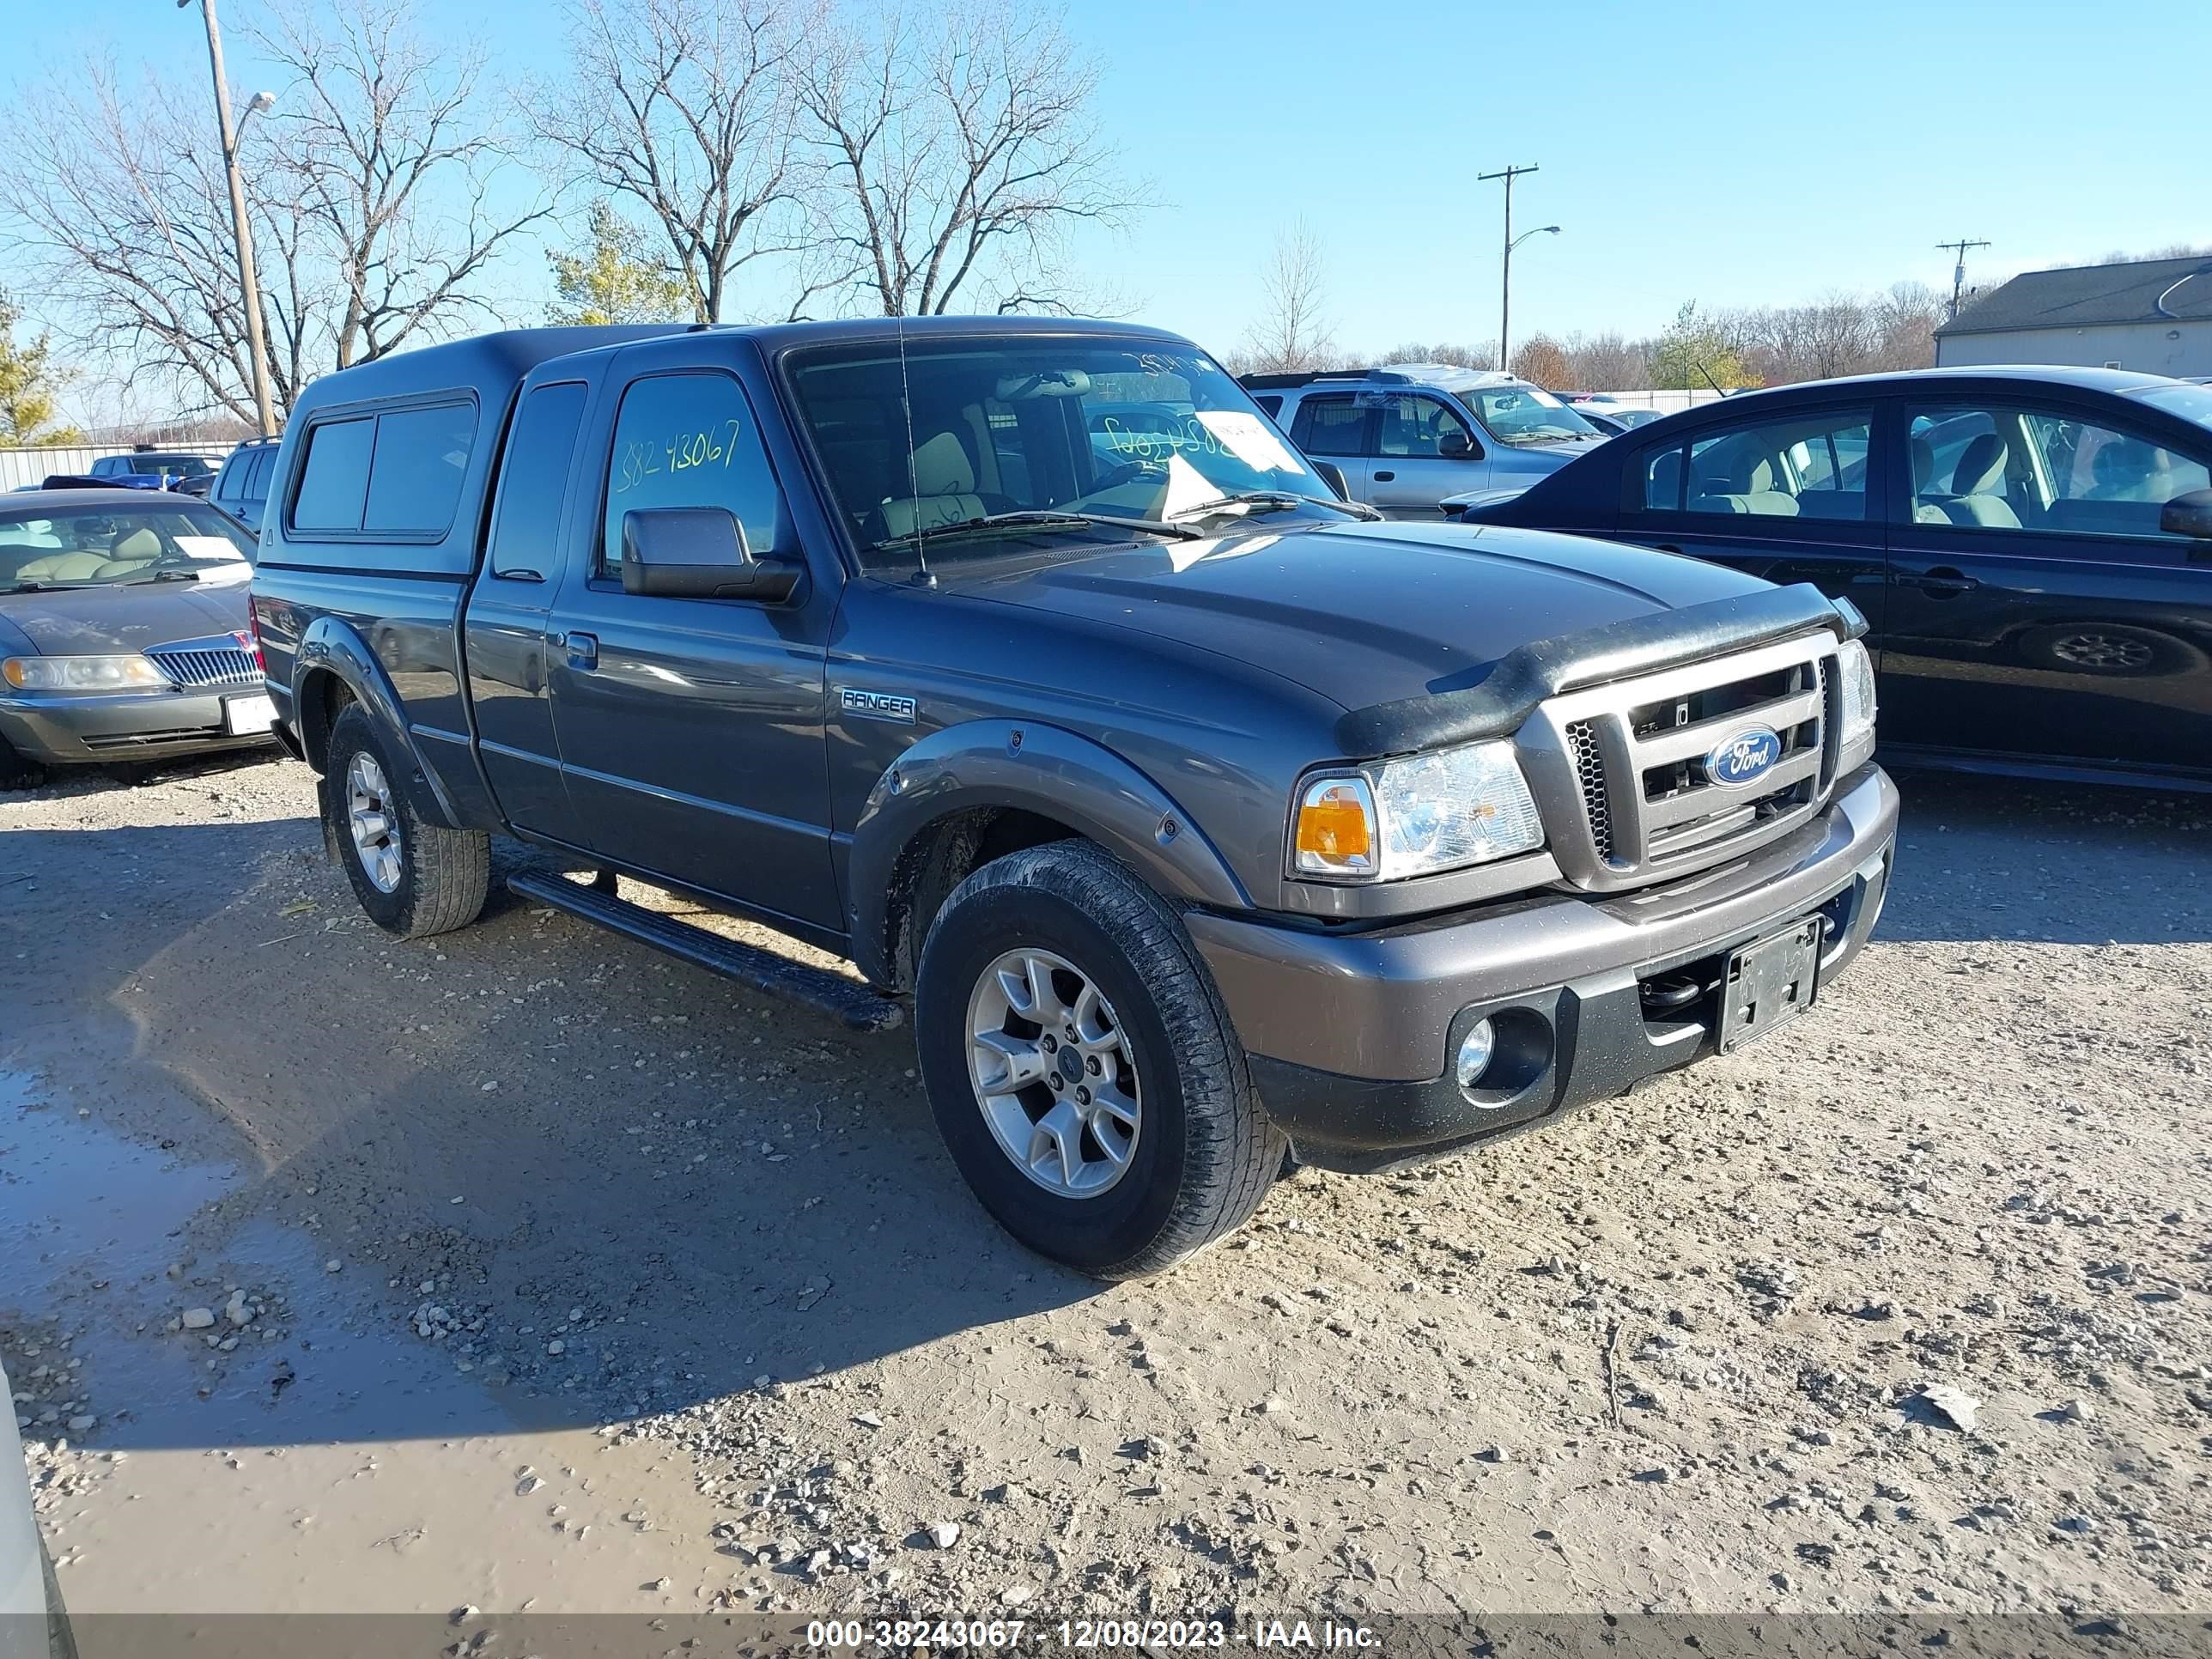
<point>1127,472</point>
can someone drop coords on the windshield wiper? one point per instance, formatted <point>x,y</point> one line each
<point>162,576</point>
<point>50,587</point>
<point>1037,519</point>
<point>1277,501</point>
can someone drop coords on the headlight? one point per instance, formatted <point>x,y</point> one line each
<point>131,673</point>
<point>1858,670</point>
<point>1416,816</point>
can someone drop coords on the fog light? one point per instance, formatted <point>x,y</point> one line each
<point>1475,1049</point>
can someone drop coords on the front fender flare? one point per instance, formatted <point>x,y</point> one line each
<point>1032,767</point>
<point>330,645</point>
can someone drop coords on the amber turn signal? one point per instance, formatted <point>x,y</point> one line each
<point>1336,829</point>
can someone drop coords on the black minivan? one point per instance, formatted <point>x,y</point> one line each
<point>2032,547</point>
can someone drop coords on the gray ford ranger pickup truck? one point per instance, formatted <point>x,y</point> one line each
<point>1202,824</point>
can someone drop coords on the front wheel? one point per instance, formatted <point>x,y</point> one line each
<point>1082,1069</point>
<point>413,879</point>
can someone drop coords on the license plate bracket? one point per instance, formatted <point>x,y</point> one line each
<point>242,715</point>
<point>1769,982</point>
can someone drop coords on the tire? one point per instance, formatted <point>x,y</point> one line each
<point>429,879</point>
<point>15,772</point>
<point>1201,1155</point>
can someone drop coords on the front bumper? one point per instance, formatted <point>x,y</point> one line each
<point>1351,1034</point>
<point>53,729</point>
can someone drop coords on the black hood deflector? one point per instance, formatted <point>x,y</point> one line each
<point>1526,676</point>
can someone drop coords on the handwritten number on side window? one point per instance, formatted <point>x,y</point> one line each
<point>641,459</point>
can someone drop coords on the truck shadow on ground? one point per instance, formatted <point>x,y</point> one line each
<point>563,1180</point>
<point>717,1187</point>
<point>1982,859</point>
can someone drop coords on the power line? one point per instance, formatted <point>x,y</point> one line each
<point>1505,276</point>
<point>1958,271</point>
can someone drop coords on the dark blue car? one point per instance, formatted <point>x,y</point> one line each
<point>2032,546</point>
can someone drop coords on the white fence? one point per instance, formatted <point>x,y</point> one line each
<point>19,467</point>
<point>1665,401</point>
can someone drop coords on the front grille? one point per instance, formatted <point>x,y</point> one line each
<point>201,664</point>
<point>1638,759</point>
<point>1589,775</point>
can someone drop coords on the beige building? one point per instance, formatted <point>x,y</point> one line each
<point>2151,315</point>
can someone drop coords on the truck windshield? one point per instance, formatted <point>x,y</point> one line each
<point>958,431</point>
<point>1527,414</point>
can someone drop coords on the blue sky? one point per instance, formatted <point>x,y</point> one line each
<point>1736,153</point>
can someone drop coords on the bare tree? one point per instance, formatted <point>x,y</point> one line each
<point>370,196</point>
<point>958,152</point>
<point>1607,362</point>
<point>685,108</point>
<point>1479,354</point>
<point>119,197</point>
<point>1542,360</point>
<point>1291,333</point>
<point>390,144</point>
<point>1906,319</point>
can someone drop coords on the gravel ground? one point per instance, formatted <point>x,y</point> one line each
<point>527,1264</point>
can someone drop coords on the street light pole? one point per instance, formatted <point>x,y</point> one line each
<point>248,281</point>
<point>1505,269</point>
<point>1540,230</point>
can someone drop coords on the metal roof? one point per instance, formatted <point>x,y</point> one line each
<point>2083,296</point>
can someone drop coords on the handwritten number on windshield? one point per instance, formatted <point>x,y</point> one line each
<point>1151,446</point>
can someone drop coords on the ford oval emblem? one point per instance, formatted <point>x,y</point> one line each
<point>1744,758</point>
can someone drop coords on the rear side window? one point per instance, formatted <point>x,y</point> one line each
<point>1271,401</point>
<point>257,482</point>
<point>415,475</point>
<point>398,473</point>
<point>536,476</point>
<point>334,478</point>
<point>1802,466</point>
<point>689,440</point>
<point>1331,426</point>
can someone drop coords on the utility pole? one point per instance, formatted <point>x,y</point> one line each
<point>1958,271</point>
<point>1505,268</point>
<point>248,281</point>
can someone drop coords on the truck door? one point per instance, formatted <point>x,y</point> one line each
<point>510,606</point>
<point>1424,451</point>
<point>692,730</point>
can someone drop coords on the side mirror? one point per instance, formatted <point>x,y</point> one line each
<point>2187,516</point>
<point>699,553</point>
<point>1455,447</point>
<point>1332,476</point>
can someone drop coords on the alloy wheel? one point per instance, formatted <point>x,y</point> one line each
<point>373,823</point>
<point>1055,1072</point>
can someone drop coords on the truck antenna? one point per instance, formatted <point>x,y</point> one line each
<point>922,575</point>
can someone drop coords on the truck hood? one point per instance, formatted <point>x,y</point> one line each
<point>1364,613</point>
<point>81,622</point>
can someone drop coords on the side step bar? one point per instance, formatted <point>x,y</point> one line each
<point>842,999</point>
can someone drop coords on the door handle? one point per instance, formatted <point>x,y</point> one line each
<point>1384,478</point>
<point>583,650</point>
<point>1944,583</point>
